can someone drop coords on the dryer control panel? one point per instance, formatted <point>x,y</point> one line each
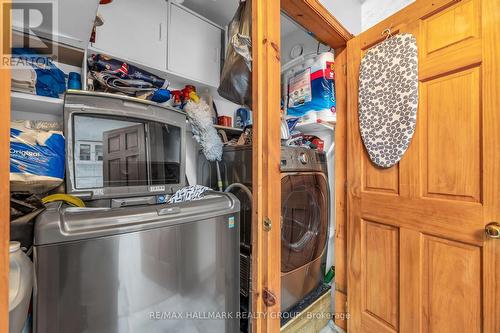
<point>298,159</point>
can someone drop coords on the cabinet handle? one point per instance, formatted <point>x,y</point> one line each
<point>159,35</point>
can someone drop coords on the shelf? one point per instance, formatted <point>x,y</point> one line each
<point>177,81</point>
<point>218,127</point>
<point>229,129</point>
<point>315,127</point>
<point>25,102</point>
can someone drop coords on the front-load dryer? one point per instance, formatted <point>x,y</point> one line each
<point>304,222</point>
<point>304,210</point>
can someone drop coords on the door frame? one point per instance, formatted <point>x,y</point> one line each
<point>266,91</point>
<point>5,28</point>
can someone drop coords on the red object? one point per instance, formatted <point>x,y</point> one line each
<point>92,35</point>
<point>176,95</point>
<point>182,96</point>
<point>330,70</point>
<point>186,91</point>
<point>320,144</point>
<point>225,121</point>
<point>105,2</point>
<point>123,70</point>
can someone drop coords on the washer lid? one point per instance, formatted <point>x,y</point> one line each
<point>61,223</point>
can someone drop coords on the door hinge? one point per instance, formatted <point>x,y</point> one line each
<point>268,224</point>
<point>268,297</point>
<point>344,66</point>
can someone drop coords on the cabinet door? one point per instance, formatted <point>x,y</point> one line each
<point>71,25</point>
<point>194,46</point>
<point>134,30</point>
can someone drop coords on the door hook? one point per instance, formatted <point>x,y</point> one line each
<point>387,32</point>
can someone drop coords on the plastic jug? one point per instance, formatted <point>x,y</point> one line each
<point>20,287</point>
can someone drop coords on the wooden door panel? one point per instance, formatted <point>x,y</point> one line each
<point>451,26</point>
<point>452,132</point>
<point>451,293</point>
<point>124,156</point>
<point>380,251</point>
<point>133,169</point>
<point>380,180</point>
<point>114,143</point>
<point>131,140</point>
<point>415,12</point>
<point>113,174</point>
<point>418,257</point>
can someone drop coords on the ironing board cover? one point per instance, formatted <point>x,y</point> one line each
<point>388,98</point>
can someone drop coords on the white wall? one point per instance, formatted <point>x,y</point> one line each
<point>348,12</point>
<point>298,37</point>
<point>375,11</point>
<point>360,15</point>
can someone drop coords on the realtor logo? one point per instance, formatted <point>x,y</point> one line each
<point>33,25</point>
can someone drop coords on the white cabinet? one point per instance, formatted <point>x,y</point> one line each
<point>134,30</point>
<point>194,46</point>
<point>162,36</point>
<point>67,22</point>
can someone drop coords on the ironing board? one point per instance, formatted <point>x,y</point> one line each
<point>388,98</point>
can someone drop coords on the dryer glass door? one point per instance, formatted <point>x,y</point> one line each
<point>304,213</point>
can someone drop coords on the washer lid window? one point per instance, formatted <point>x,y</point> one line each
<point>304,219</point>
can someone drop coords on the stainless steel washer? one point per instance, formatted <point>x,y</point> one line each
<point>148,269</point>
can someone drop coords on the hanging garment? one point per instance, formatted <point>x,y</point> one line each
<point>388,98</point>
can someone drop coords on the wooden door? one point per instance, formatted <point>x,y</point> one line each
<point>418,256</point>
<point>124,157</point>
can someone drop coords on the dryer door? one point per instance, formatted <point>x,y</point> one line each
<point>304,213</point>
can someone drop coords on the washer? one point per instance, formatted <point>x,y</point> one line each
<point>304,224</point>
<point>305,214</point>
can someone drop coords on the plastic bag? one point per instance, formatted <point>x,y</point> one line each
<point>310,88</point>
<point>50,80</point>
<point>236,78</point>
<point>36,158</point>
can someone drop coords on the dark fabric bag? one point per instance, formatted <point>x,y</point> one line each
<point>236,78</point>
<point>24,208</point>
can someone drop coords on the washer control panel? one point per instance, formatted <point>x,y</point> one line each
<point>302,159</point>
